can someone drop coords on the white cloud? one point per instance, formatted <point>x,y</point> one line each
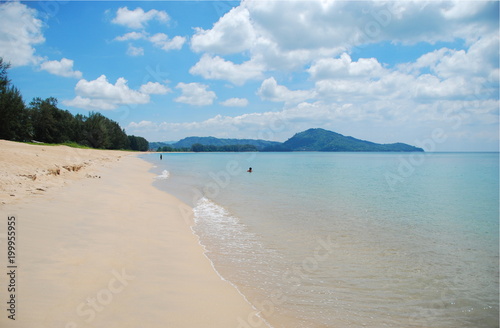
<point>91,104</point>
<point>131,36</point>
<point>479,60</point>
<point>463,9</point>
<point>99,94</point>
<point>235,102</point>
<point>373,121</point>
<point>159,40</point>
<point>216,68</point>
<point>101,88</point>
<point>143,125</point>
<point>270,90</point>
<point>388,88</point>
<point>162,41</point>
<point>429,87</point>
<point>344,67</point>
<point>195,94</point>
<point>154,88</point>
<point>64,67</point>
<point>20,31</point>
<point>290,34</point>
<point>274,125</point>
<point>135,51</point>
<point>319,37</point>
<point>231,34</point>
<point>138,18</point>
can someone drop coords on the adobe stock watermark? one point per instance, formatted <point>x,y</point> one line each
<point>293,278</point>
<point>97,303</point>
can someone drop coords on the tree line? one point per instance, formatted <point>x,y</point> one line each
<point>43,121</point>
<point>199,148</point>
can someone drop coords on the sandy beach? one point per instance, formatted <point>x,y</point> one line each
<point>98,246</point>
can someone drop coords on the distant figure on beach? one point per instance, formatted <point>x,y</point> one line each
<point>161,157</point>
<point>249,170</point>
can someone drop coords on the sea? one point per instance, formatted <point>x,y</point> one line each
<point>316,239</point>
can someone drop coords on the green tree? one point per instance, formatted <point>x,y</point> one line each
<point>117,137</point>
<point>50,124</point>
<point>14,124</point>
<point>197,147</point>
<point>138,143</point>
<point>44,121</point>
<point>165,149</point>
<point>4,79</point>
<point>96,133</point>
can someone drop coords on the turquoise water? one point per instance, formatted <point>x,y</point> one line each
<point>349,239</point>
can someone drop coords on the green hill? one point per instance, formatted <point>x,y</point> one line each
<point>309,140</point>
<point>324,140</point>
<point>212,141</point>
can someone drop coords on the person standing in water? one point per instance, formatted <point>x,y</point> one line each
<point>249,170</point>
<point>161,157</point>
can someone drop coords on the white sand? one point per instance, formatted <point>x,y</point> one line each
<point>105,252</point>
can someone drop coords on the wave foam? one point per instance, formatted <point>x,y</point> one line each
<point>164,175</point>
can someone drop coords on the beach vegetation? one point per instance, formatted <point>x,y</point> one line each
<point>69,144</point>
<point>14,123</point>
<point>138,143</point>
<point>213,141</point>
<point>44,122</point>
<point>172,149</point>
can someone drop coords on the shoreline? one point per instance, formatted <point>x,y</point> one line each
<point>113,251</point>
<point>256,313</point>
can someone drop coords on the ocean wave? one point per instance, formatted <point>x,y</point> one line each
<point>219,225</point>
<point>234,252</point>
<point>164,175</point>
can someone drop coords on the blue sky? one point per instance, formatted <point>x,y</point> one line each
<point>395,71</point>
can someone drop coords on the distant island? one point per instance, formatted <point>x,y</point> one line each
<point>309,140</point>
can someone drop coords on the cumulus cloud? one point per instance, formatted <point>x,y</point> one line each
<point>235,102</point>
<point>138,18</point>
<point>319,38</point>
<point>270,90</point>
<point>159,40</point>
<point>20,31</point>
<point>162,41</point>
<point>231,34</point>
<point>328,24</point>
<point>216,68</point>
<point>290,34</point>
<point>344,67</point>
<point>272,125</point>
<point>366,121</point>
<point>388,88</point>
<point>195,94</point>
<point>100,94</point>
<point>131,36</point>
<point>135,51</point>
<point>143,125</point>
<point>479,60</point>
<point>64,67</point>
<point>154,88</point>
